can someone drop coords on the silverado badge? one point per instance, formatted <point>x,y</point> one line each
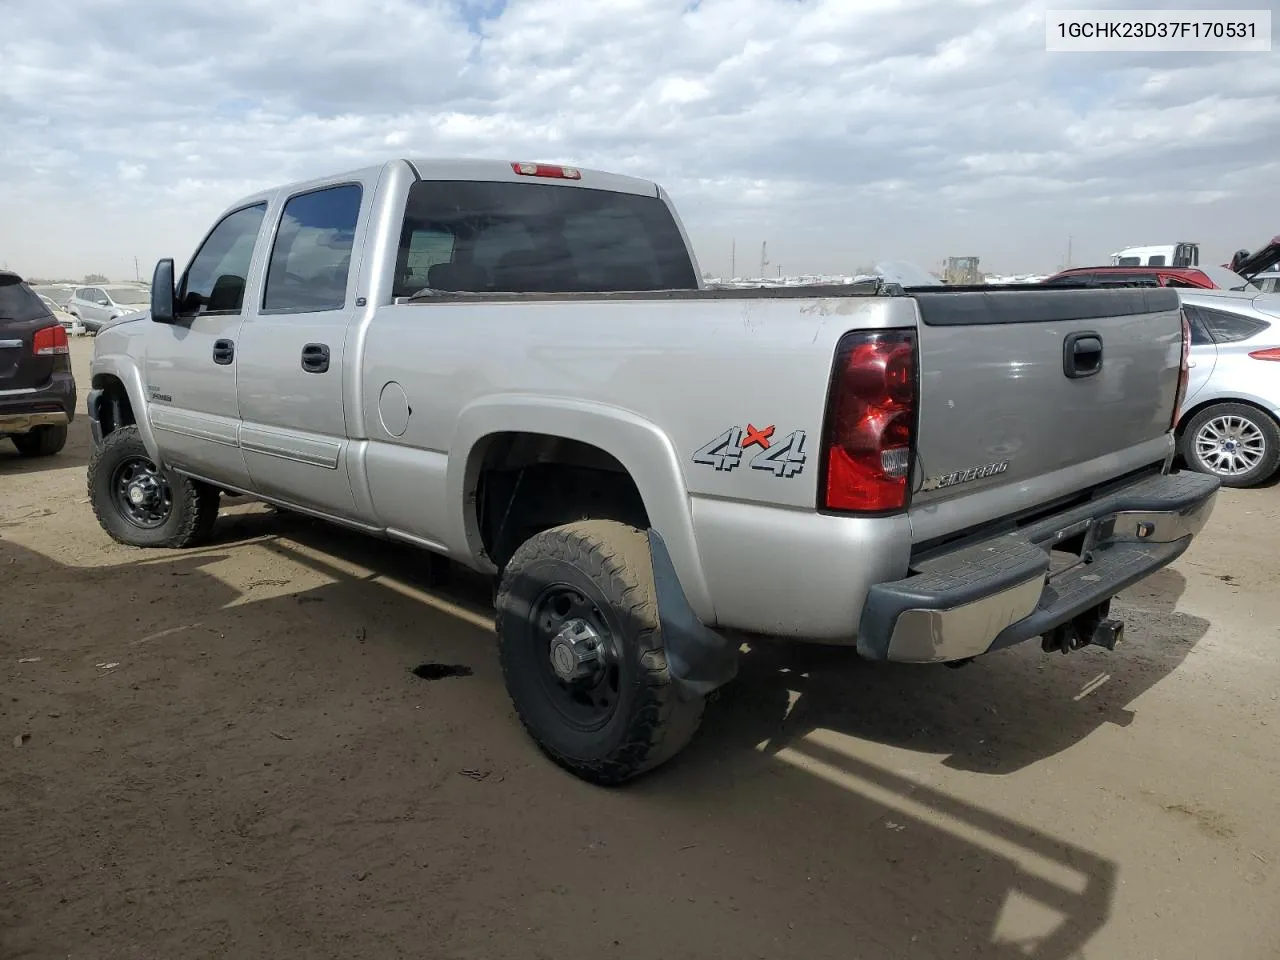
<point>965,476</point>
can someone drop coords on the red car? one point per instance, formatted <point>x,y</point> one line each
<point>1204,277</point>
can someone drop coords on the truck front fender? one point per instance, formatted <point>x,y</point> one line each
<point>128,371</point>
<point>639,445</point>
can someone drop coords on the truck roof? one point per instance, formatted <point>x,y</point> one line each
<point>467,168</point>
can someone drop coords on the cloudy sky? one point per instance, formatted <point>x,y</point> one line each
<point>840,131</point>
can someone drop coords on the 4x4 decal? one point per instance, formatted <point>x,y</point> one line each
<point>783,458</point>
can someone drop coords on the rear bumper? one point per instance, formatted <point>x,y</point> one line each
<point>53,404</point>
<point>998,592</point>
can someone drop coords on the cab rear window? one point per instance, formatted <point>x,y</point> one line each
<point>496,237</point>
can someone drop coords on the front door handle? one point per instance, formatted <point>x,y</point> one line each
<point>1081,354</point>
<point>315,357</point>
<point>224,351</point>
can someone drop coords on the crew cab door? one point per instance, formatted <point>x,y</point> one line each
<point>191,364</point>
<point>291,351</point>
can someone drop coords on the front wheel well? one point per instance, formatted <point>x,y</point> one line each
<point>529,482</point>
<point>115,410</point>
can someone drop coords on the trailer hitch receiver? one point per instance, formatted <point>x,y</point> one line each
<point>1092,628</point>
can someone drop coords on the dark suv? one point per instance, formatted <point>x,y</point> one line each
<point>37,389</point>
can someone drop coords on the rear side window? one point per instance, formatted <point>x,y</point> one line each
<point>311,258</point>
<point>1156,261</point>
<point>19,302</point>
<point>527,237</point>
<point>1226,327</point>
<point>214,283</point>
<point>1129,262</point>
<point>1199,335</point>
<point>1086,279</point>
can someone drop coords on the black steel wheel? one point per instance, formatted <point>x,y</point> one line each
<point>575,640</point>
<point>141,493</point>
<point>144,506</point>
<point>580,644</point>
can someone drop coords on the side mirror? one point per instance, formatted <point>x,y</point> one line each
<point>162,305</point>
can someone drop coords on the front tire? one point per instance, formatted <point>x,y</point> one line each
<point>1233,441</point>
<point>41,442</point>
<point>142,506</point>
<point>581,648</point>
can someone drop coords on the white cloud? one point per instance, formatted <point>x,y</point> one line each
<point>840,131</point>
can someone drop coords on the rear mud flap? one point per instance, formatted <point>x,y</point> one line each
<point>700,660</point>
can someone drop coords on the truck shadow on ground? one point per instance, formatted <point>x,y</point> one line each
<point>996,715</point>
<point>274,759</point>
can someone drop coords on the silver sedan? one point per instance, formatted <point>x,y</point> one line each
<point>1229,424</point>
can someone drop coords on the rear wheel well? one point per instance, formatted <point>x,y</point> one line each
<point>530,482</point>
<point>114,407</point>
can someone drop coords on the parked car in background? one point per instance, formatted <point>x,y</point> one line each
<point>1268,282</point>
<point>1207,277</point>
<point>67,320</point>
<point>59,293</point>
<point>1229,424</point>
<point>99,305</point>
<point>1254,264</point>
<point>37,389</point>
<point>1183,254</point>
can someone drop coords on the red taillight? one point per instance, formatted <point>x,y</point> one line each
<point>50,341</point>
<point>546,170</point>
<point>870,422</point>
<point>1271,353</point>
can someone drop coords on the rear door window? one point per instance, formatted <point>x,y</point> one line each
<point>528,237</point>
<point>311,257</point>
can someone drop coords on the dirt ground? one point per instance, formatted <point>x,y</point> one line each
<point>226,753</point>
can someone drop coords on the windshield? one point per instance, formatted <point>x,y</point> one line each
<point>1226,279</point>
<point>130,296</point>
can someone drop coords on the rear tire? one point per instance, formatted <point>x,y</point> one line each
<point>625,718</point>
<point>41,442</point>
<point>172,510</point>
<point>1233,441</point>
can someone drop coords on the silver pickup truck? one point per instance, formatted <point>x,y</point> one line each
<point>514,366</point>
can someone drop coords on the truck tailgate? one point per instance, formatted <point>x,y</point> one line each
<point>1015,409</point>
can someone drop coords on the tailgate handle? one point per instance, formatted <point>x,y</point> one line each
<point>1082,355</point>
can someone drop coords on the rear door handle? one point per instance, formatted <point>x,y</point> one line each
<point>224,351</point>
<point>1081,354</point>
<point>315,357</point>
